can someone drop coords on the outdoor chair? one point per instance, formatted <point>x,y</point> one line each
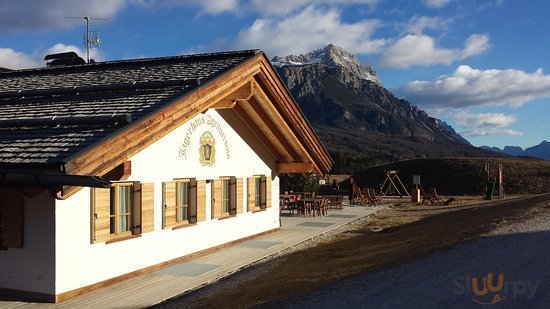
<point>374,199</point>
<point>426,198</point>
<point>335,202</point>
<point>436,198</point>
<point>320,207</point>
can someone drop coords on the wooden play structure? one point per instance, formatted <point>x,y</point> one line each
<point>392,185</point>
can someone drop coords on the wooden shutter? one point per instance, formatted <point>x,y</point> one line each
<point>192,200</point>
<point>233,196</point>
<point>11,206</point>
<point>251,190</point>
<point>217,198</point>
<point>136,208</point>
<point>147,207</point>
<point>239,199</point>
<point>268,197</point>
<point>201,200</point>
<point>101,206</point>
<point>169,204</point>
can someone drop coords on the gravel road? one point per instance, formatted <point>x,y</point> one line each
<point>520,252</point>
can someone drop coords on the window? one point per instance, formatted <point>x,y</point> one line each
<point>257,192</point>
<point>259,196</point>
<point>125,209</point>
<point>227,197</point>
<point>184,202</point>
<point>120,214</point>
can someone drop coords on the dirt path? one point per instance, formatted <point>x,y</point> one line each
<point>407,234</point>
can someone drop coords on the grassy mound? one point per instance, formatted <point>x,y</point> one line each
<point>465,176</point>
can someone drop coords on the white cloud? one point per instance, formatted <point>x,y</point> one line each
<point>420,49</point>
<point>283,7</point>
<point>219,6</point>
<point>30,15</point>
<point>485,124</point>
<point>417,24</point>
<point>436,4</point>
<point>497,120</point>
<point>307,30</point>
<point>489,132</point>
<point>12,59</point>
<point>471,87</point>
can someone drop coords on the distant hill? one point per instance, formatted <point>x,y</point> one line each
<point>360,122</point>
<point>465,176</point>
<point>541,150</point>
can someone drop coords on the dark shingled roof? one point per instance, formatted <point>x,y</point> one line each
<point>49,114</point>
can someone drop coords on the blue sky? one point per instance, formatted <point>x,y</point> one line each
<point>481,66</point>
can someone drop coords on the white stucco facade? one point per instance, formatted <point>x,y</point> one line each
<point>59,256</point>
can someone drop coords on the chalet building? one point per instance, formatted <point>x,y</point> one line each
<point>115,168</point>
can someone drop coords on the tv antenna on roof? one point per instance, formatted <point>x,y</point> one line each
<point>91,38</point>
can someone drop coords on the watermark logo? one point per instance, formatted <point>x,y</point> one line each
<point>492,288</point>
<point>489,293</point>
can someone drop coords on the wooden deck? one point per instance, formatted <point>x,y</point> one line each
<point>154,287</point>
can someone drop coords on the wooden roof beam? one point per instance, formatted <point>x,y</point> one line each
<point>292,139</point>
<point>294,168</point>
<point>244,93</point>
<point>264,131</point>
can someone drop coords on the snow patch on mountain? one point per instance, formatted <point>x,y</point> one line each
<point>331,56</point>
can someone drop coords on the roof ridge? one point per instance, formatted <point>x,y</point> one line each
<point>136,61</point>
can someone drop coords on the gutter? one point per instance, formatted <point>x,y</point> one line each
<point>48,179</point>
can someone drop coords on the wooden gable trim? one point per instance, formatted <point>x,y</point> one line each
<point>268,129</point>
<point>259,135</point>
<point>291,138</point>
<point>273,86</point>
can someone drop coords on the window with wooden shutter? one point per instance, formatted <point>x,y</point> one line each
<point>127,208</point>
<point>201,200</point>
<point>11,221</point>
<point>169,204</point>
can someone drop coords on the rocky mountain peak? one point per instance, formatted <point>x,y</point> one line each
<point>334,57</point>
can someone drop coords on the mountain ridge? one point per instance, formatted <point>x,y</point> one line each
<point>541,151</point>
<point>360,121</point>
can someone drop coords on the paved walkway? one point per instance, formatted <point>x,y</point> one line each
<point>152,288</point>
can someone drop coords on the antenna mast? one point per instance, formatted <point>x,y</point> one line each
<point>91,38</point>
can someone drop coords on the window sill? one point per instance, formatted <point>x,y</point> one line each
<point>226,217</point>
<point>121,238</point>
<point>258,210</point>
<point>182,226</point>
